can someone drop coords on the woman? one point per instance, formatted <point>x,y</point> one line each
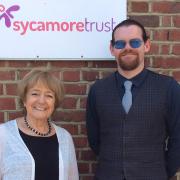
<point>32,147</point>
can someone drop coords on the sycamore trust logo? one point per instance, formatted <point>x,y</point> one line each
<point>7,14</point>
<point>8,17</point>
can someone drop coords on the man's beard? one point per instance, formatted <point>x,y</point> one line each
<point>125,65</point>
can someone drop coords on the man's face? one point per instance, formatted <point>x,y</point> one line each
<point>129,58</point>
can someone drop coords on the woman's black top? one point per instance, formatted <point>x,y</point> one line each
<point>45,153</point>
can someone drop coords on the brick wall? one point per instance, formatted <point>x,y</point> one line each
<point>161,19</point>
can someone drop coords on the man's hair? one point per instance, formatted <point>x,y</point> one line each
<point>129,22</point>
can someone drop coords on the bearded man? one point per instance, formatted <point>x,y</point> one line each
<point>133,116</point>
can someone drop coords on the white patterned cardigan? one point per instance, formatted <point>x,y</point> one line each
<point>17,163</point>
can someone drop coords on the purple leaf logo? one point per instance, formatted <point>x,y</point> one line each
<point>7,14</point>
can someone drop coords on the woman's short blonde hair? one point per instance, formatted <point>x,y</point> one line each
<point>47,79</point>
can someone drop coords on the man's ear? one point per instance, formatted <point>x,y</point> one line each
<point>147,46</point>
<point>111,48</point>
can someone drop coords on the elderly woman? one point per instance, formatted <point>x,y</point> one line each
<point>32,147</point>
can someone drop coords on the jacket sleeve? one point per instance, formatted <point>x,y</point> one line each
<point>173,126</point>
<point>73,169</point>
<point>92,122</point>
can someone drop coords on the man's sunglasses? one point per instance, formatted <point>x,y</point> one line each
<point>121,44</point>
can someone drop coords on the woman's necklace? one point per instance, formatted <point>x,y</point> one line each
<point>36,131</point>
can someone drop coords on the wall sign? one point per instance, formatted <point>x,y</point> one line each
<point>58,29</point>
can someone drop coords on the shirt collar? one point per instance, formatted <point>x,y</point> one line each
<point>136,80</point>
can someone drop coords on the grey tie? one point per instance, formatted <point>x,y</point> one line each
<point>127,98</point>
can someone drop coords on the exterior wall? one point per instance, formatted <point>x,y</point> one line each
<point>161,19</point>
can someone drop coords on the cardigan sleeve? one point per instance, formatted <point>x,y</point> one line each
<point>2,139</point>
<point>73,169</point>
<point>1,157</point>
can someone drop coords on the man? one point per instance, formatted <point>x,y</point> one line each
<point>135,132</point>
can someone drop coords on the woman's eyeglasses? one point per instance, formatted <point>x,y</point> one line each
<point>121,44</point>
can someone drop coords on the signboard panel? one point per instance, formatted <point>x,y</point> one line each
<point>58,29</point>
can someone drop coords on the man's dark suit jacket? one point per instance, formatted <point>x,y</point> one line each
<point>133,145</point>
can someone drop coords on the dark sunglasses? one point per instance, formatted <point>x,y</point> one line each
<point>121,44</point>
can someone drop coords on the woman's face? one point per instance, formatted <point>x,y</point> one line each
<point>39,102</point>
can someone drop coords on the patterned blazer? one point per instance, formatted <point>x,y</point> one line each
<point>133,145</point>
